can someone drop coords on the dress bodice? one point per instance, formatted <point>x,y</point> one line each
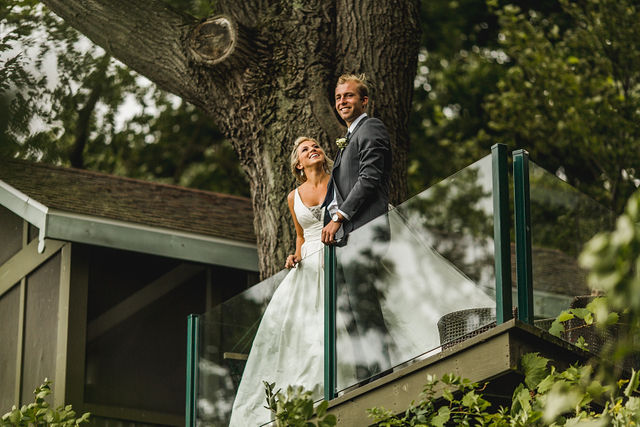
<point>311,225</point>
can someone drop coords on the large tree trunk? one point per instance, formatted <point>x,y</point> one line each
<point>265,72</point>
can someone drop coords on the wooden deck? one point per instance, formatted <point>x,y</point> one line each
<point>490,356</point>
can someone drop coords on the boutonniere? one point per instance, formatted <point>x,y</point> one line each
<point>341,142</point>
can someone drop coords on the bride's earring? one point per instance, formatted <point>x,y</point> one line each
<point>301,172</point>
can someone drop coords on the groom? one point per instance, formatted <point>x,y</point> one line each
<point>358,192</point>
<point>359,187</point>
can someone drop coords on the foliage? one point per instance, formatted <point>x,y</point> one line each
<point>18,86</point>
<point>572,95</point>
<point>462,405</point>
<point>39,413</point>
<point>587,315</point>
<point>613,261</point>
<point>455,74</point>
<point>546,398</point>
<point>295,408</point>
<point>459,66</point>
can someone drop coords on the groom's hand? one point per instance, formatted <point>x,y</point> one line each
<point>329,232</point>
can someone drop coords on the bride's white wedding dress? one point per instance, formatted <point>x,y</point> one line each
<point>289,345</point>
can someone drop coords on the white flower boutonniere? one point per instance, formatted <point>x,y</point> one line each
<point>341,142</point>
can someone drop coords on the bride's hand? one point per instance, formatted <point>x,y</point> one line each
<point>291,262</point>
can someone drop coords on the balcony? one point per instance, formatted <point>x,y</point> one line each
<point>430,287</point>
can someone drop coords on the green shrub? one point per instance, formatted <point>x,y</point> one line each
<point>546,398</point>
<point>39,413</point>
<point>295,408</point>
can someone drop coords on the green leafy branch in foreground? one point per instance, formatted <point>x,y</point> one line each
<point>613,262</point>
<point>295,408</point>
<point>39,413</point>
<point>546,398</point>
<point>463,405</point>
<point>588,315</point>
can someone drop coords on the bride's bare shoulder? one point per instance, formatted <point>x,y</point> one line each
<point>291,196</point>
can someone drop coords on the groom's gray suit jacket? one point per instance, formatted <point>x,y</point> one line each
<point>360,174</point>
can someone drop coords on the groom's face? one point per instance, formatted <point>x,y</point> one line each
<point>349,104</point>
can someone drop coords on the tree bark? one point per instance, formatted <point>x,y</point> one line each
<point>265,72</point>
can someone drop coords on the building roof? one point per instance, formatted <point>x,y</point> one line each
<point>61,199</point>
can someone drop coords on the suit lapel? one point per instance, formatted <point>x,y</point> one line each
<point>336,162</point>
<point>364,119</point>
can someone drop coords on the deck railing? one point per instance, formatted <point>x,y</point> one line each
<point>432,271</point>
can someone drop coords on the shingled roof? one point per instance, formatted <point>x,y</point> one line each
<point>107,198</point>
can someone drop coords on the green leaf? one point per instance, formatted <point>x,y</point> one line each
<point>330,420</point>
<point>557,328</point>
<point>535,369</point>
<point>564,316</point>
<point>560,400</point>
<point>470,399</point>
<point>581,313</point>
<point>634,381</point>
<point>15,416</point>
<point>50,416</point>
<point>521,400</point>
<point>596,389</point>
<point>322,408</point>
<point>633,405</point>
<point>443,416</point>
<point>612,318</point>
<point>581,343</point>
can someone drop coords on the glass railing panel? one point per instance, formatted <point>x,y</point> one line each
<point>562,221</point>
<point>256,336</point>
<point>416,278</point>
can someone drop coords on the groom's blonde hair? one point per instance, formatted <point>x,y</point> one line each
<point>293,159</point>
<point>361,83</point>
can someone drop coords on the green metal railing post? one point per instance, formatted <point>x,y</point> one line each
<point>329,322</point>
<point>501,237</point>
<point>523,235</point>
<point>193,331</point>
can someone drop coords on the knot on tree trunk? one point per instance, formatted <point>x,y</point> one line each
<point>221,39</point>
<point>213,40</point>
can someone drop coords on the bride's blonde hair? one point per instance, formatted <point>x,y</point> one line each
<point>293,159</point>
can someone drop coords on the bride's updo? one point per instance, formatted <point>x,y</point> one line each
<point>299,173</point>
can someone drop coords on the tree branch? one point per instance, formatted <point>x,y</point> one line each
<point>147,35</point>
<point>76,153</point>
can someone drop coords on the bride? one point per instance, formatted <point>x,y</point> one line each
<point>288,348</point>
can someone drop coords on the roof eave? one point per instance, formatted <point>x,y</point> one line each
<point>60,225</point>
<point>22,205</point>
